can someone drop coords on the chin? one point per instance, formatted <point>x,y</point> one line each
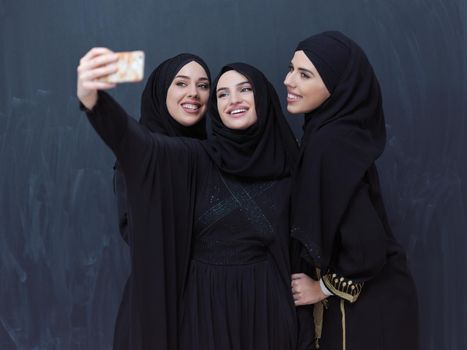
<point>189,121</point>
<point>293,110</point>
<point>236,126</point>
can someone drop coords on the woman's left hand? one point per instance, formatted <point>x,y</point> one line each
<point>306,290</point>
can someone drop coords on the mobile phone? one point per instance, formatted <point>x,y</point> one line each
<point>130,68</point>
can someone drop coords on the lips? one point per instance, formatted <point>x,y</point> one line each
<point>191,107</point>
<point>291,98</point>
<point>237,112</point>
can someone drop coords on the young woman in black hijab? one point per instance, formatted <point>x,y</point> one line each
<point>209,220</point>
<point>238,294</point>
<point>157,118</point>
<point>359,271</point>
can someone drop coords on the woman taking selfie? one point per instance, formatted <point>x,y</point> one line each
<point>209,220</point>
<point>163,118</point>
<point>363,293</point>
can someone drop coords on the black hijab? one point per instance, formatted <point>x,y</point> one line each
<point>342,139</point>
<point>156,117</point>
<point>265,150</point>
<point>154,113</point>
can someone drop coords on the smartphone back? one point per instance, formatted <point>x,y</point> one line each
<point>130,68</point>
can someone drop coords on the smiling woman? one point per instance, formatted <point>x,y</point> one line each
<point>236,100</point>
<point>358,269</point>
<point>180,79</point>
<point>305,89</point>
<point>188,94</point>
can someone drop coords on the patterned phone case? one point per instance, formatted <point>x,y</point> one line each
<point>130,68</point>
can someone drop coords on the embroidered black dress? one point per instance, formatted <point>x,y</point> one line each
<point>237,294</point>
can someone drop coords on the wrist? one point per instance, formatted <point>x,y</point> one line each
<point>326,292</point>
<point>88,101</point>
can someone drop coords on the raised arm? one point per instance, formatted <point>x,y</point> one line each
<point>128,139</point>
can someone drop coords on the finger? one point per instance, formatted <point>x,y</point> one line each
<point>95,51</point>
<point>297,276</point>
<point>299,303</point>
<point>98,85</point>
<point>97,62</point>
<point>97,73</point>
<point>296,287</point>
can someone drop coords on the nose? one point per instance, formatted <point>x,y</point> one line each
<point>193,91</point>
<point>288,81</point>
<point>235,98</point>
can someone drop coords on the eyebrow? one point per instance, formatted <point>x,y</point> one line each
<point>306,70</point>
<point>224,88</point>
<point>188,78</point>
<point>302,69</point>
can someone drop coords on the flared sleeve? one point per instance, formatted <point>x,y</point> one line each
<point>161,175</point>
<point>360,251</point>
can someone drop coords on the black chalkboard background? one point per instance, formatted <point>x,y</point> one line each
<point>62,262</point>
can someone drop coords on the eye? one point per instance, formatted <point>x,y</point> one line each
<point>304,75</point>
<point>181,83</point>
<point>246,89</point>
<point>204,86</point>
<point>221,95</point>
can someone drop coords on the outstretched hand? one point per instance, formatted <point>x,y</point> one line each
<point>97,63</point>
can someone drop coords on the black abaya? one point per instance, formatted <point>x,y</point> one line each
<point>338,213</point>
<point>156,117</point>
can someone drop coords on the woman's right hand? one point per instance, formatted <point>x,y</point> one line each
<point>97,63</point>
<point>306,290</point>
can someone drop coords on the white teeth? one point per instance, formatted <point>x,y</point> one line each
<point>292,97</point>
<point>190,106</point>
<point>239,110</point>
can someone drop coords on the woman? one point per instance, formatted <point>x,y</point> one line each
<point>212,271</point>
<point>158,115</point>
<point>338,216</point>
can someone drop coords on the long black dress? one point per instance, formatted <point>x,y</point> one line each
<point>210,264</point>
<point>338,213</point>
<point>237,294</point>
<point>156,117</point>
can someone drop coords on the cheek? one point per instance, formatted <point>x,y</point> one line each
<point>254,116</point>
<point>220,107</point>
<point>171,106</point>
<point>316,93</point>
<point>172,97</point>
<point>204,97</point>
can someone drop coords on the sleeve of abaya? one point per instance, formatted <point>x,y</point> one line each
<point>361,248</point>
<point>125,136</point>
<point>132,143</point>
<point>305,320</point>
<point>160,173</point>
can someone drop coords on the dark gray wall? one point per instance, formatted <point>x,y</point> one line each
<point>62,262</point>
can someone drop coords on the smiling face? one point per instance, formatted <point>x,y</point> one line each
<point>236,101</point>
<point>188,94</point>
<point>306,90</point>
